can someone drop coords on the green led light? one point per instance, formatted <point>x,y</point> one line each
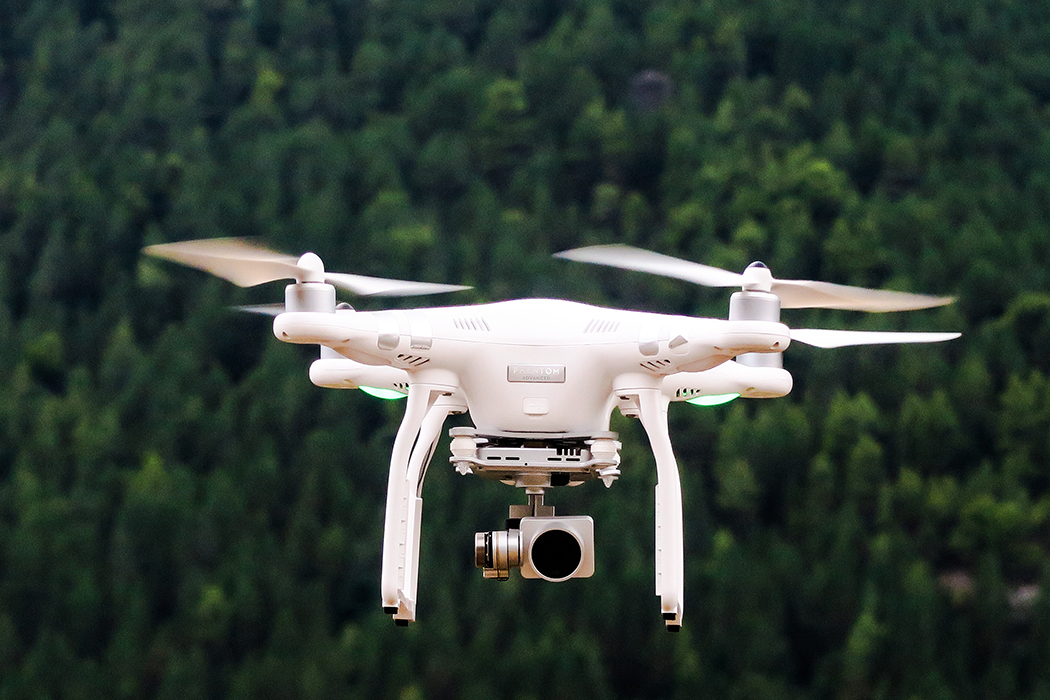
<point>385,394</point>
<point>713,399</point>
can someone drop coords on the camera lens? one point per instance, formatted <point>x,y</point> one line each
<point>482,549</point>
<point>556,554</point>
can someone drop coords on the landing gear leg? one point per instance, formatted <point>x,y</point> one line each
<point>670,549</point>
<point>413,448</point>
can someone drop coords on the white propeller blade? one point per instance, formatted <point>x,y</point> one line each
<point>233,259</point>
<point>377,286</point>
<point>825,338</point>
<point>806,294</point>
<point>263,309</point>
<point>629,258</point>
<point>246,264</point>
<point>794,294</point>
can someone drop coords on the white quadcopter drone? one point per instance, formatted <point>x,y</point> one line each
<point>540,379</point>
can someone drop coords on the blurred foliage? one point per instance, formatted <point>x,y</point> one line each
<point>183,515</point>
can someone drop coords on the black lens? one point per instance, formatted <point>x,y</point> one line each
<point>556,554</point>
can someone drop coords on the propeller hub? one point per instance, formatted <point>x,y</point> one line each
<point>312,268</point>
<point>757,278</point>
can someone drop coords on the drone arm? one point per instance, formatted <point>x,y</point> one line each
<point>338,372</point>
<point>353,335</point>
<point>670,547</point>
<point>728,378</point>
<point>707,343</point>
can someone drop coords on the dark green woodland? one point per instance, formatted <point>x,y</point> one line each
<point>183,515</point>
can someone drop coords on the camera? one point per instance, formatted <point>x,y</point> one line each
<point>549,548</point>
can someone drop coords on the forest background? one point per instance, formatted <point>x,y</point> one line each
<point>183,515</point>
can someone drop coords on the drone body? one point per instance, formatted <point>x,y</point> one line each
<point>540,379</point>
<point>533,367</point>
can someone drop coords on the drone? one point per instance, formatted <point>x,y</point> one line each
<point>540,379</point>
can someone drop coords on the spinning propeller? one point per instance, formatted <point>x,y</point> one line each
<point>246,265</point>
<point>793,294</point>
<point>762,296</point>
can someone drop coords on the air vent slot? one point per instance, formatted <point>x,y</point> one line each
<point>413,360</point>
<point>656,365</point>
<point>601,325</point>
<point>475,323</point>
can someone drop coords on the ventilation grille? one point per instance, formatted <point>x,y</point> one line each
<point>686,393</point>
<point>567,454</point>
<point>413,360</point>
<point>401,386</point>
<point>476,323</point>
<point>601,325</point>
<point>656,365</point>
